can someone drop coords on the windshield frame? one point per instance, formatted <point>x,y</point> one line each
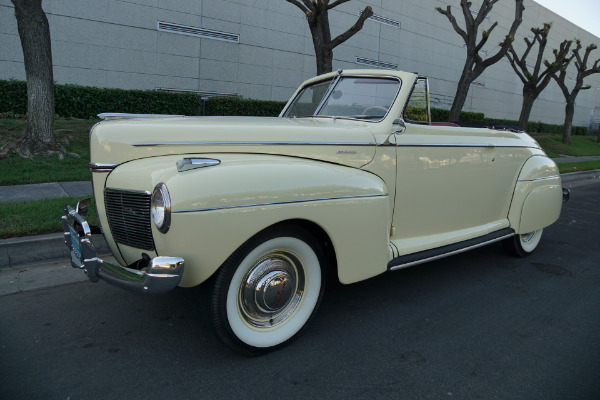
<point>333,84</point>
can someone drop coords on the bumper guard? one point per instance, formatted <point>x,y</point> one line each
<point>158,275</point>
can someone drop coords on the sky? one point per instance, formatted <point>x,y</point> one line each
<point>584,13</point>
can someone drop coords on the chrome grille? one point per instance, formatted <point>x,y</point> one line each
<point>128,214</point>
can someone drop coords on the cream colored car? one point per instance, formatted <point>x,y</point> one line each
<point>352,177</point>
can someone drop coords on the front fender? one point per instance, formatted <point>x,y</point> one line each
<point>216,209</point>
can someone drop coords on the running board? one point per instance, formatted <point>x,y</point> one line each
<point>429,255</point>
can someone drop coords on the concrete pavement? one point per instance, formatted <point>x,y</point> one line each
<point>48,190</point>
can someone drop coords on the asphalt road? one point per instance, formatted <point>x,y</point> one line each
<point>479,325</point>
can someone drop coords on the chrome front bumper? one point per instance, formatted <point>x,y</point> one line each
<point>156,276</point>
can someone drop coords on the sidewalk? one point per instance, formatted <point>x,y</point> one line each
<point>39,191</point>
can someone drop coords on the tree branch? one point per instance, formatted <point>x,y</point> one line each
<point>336,3</point>
<point>469,22</point>
<point>484,37</point>
<point>448,14</point>
<point>367,12</point>
<point>484,10</point>
<point>299,5</point>
<point>509,38</point>
<point>513,60</point>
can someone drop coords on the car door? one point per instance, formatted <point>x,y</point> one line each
<point>443,182</point>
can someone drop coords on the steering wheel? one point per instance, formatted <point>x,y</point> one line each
<point>371,108</point>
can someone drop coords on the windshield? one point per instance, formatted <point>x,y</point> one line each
<point>367,98</point>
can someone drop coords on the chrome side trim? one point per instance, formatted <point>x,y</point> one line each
<point>451,253</point>
<point>490,145</point>
<point>245,143</point>
<point>540,179</point>
<point>102,167</point>
<point>113,116</point>
<point>274,203</point>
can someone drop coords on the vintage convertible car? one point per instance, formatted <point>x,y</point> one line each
<point>352,177</point>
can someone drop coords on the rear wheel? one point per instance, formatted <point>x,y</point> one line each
<point>268,290</point>
<point>523,245</point>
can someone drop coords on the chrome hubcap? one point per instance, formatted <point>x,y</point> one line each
<point>271,289</point>
<point>527,237</point>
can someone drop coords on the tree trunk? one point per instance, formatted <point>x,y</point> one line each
<point>569,112</point>
<point>529,97</point>
<point>34,33</point>
<point>462,90</point>
<point>324,60</point>
<point>321,36</point>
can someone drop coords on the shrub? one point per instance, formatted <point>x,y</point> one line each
<point>234,106</point>
<point>533,127</point>
<point>13,97</point>
<point>87,102</point>
<point>438,114</point>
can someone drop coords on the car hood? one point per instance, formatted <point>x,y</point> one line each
<point>345,142</point>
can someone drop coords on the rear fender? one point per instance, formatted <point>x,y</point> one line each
<point>537,199</point>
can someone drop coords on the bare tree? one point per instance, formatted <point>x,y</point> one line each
<point>582,72</point>
<point>34,32</point>
<point>474,63</point>
<point>318,21</point>
<point>535,81</point>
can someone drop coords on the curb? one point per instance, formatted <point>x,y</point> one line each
<point>27,250</point>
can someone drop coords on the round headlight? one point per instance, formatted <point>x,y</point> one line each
<point>160,208</point>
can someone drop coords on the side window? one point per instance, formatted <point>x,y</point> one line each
<point>416,110</point>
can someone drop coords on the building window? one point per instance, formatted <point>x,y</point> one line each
<point>382,20</point>
<point>376,63</point>
<point>198,32</point>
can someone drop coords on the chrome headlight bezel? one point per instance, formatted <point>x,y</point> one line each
<point>160,208</point>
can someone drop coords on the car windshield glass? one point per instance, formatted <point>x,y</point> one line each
<point>306,103</point>
<point>367,98</point>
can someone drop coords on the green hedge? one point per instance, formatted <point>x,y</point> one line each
<point>542,128</point>
<point>87,102</point>
<point>13,97</point>
<point>233,106</point>
<point>438,114</point>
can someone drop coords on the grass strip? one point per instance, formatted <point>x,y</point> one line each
<point>578,166</point>
<point>580,145</point>
<point>37,217</point>
<point>73,134</point>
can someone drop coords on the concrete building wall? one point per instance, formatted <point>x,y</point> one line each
<point>114,43</point>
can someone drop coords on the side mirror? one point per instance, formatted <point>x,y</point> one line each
<point>83,207</point>
<point>398,125</point>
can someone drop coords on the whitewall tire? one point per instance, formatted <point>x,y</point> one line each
<point>524,244</point>
<point>268,290</point>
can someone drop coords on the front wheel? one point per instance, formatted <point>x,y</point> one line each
<point>524,244</point>
<point>268,290</point>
